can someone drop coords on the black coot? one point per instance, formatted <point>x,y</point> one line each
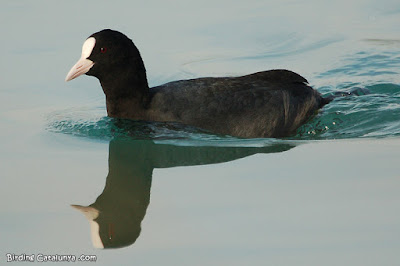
<point>265,104</point>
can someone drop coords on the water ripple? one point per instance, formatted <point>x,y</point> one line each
<point>374,115</point>
<point>80,122</point>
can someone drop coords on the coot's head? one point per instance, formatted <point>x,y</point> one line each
<point>104,54</point>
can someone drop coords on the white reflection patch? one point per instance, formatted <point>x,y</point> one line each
<point>95,233</point>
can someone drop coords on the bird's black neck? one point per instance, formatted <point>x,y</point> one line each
<point>126,89</point>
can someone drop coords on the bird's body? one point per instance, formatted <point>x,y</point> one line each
<point>257,105</point>
<point>265,104</point>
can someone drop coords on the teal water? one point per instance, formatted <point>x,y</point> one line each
<point>167,194</point>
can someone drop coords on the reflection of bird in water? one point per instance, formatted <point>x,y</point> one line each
<point>116,215</point>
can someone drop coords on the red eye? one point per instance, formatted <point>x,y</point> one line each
<point>103,50</point>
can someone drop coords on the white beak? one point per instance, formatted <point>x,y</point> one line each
<point>83,65</point>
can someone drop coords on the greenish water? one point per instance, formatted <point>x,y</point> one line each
<point>167,194</point>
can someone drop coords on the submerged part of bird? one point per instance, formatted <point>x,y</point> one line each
<point>271,103</point>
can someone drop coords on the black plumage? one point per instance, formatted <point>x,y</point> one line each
<point>265,104</point>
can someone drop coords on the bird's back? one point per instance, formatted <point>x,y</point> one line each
<point>265,104</point>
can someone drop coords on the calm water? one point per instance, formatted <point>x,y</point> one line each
<point>173,195</point>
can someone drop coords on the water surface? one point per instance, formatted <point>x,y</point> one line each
<point>165,194</point>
